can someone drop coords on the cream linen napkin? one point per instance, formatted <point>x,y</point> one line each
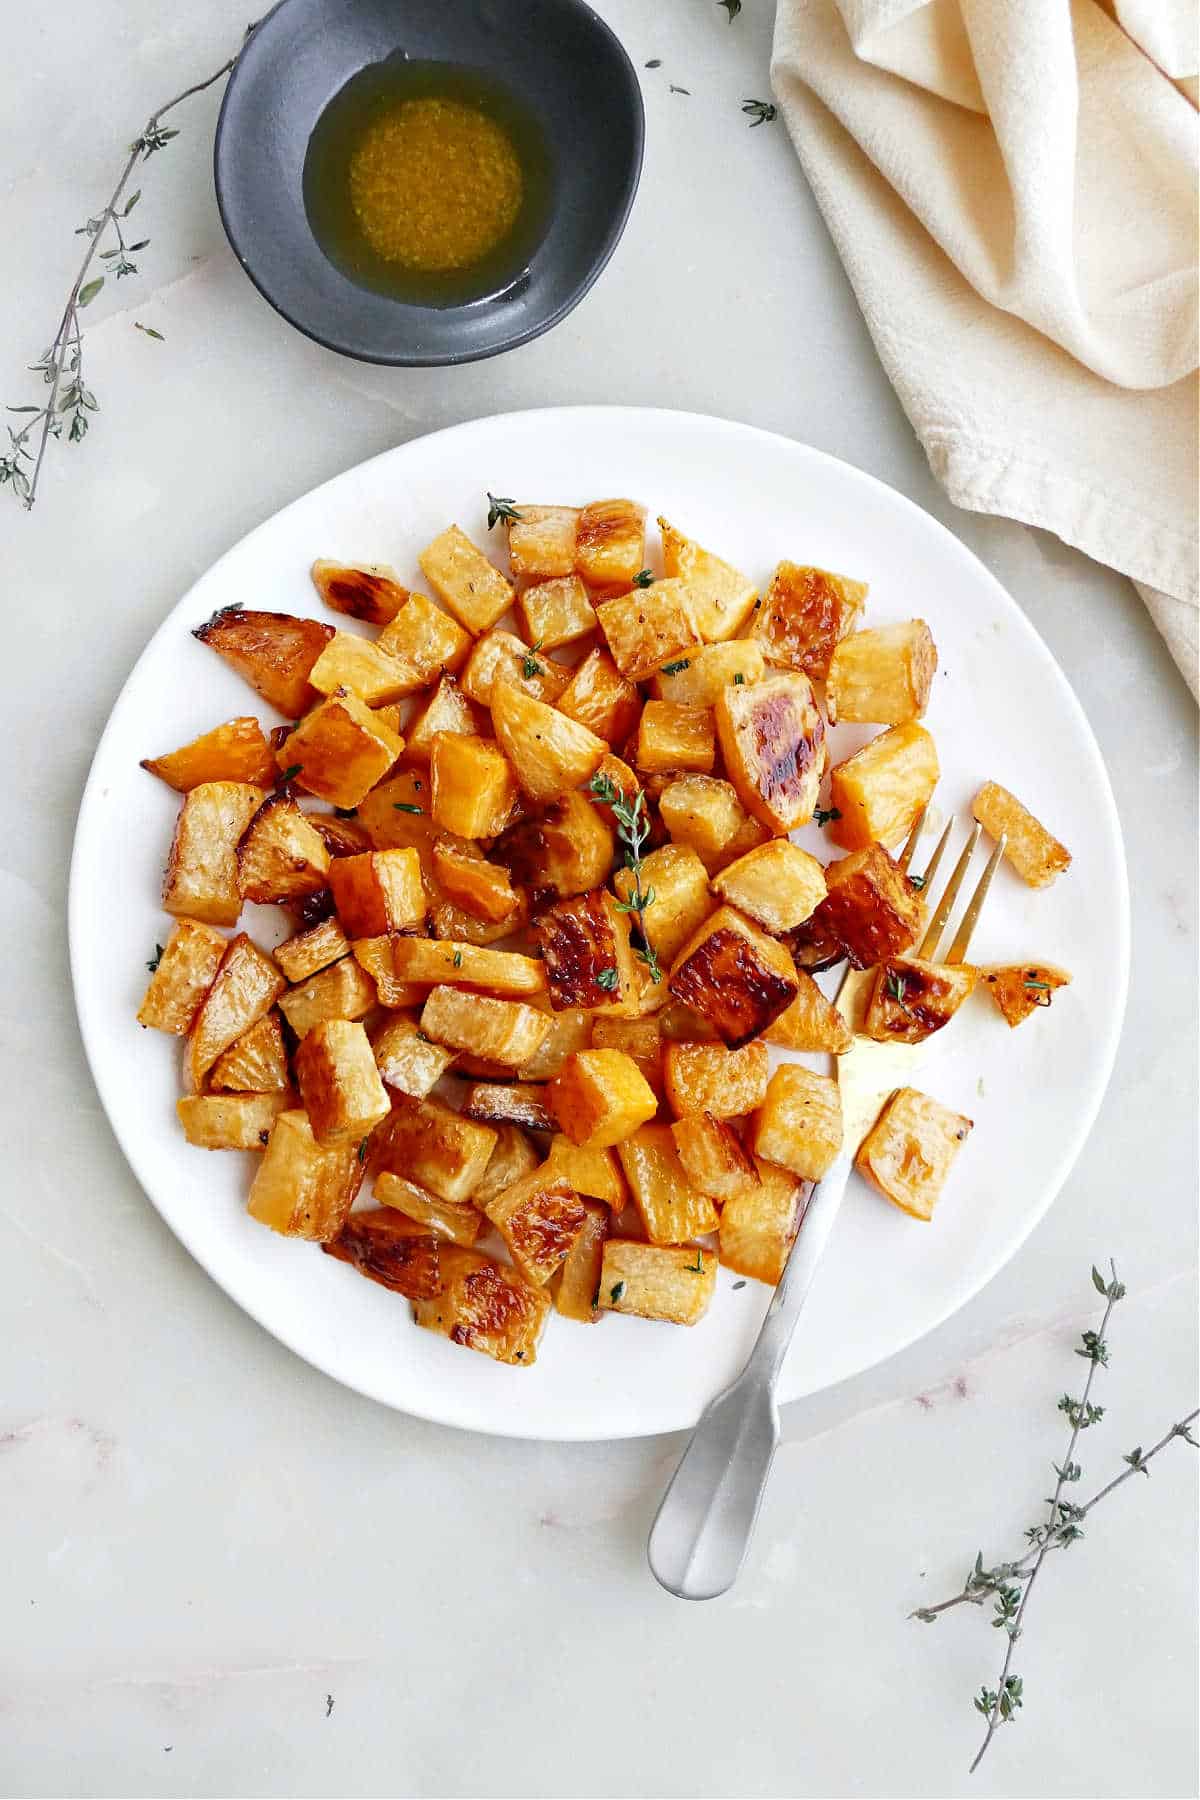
<point>1011,185</point>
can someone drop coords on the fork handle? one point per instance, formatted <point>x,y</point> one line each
<point>706,1519</point>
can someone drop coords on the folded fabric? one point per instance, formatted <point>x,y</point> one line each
<point>1012,188</point>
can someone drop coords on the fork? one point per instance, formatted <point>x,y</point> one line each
<point>706,1518</point>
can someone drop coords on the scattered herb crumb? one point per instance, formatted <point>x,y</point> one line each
<point>406,806</point>
<point>328,1704</point>
<point>500,507</point>
<point>530,666</point>
<point>739,681</point>
<point>616,1292</point>
<point>759,112</point>
<point>643,579</point>
<point>826,815</point>
<point>153,965</point>
<point>697,1268</point>
<point>917,881</point>
<point>654,63</point>
<point>362,1150</point>
<point>979,1087</point>
<point>676,668</point>
<point>732,7</point>
<point>737,1285</point>
<point>458,959</point>
<point>680,90</point>
<point>607,979</point>
<point>148,331</point>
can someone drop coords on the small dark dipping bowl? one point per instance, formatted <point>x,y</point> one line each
<point>557,60</point>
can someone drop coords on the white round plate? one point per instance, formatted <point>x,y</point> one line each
<point>1000,708</point>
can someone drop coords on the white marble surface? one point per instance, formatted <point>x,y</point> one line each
<point>200,1538</point>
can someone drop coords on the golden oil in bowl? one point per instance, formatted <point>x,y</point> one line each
<point>427,181</point>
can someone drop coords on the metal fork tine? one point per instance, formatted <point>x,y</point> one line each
<point>970,918</point>
<point>906,855</point>
<point>945,905</point>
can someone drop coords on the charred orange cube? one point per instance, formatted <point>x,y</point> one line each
<point>653,1281</point>
<point>773,741</point>
<point>709,1078</point>
<point>426,639</point>
<point>735,976</point>
<point>186,969</point>
<point>912,998</point>
<point>539,1217</point>
<point>368,591</point>
<point>1022,988</point>
<point>378,892</point>
<point>237,751</point>
<point>595,1173</point>
<point>599,1097</point>
<point>566,849</point>
<point>486,1307</point>
<point>340,750</point>
<point>799,1124</point>
<point>713,1158</point>
<point>465,582</point>
<point>339,1083</point>
<point>759,1224</point>
<point>872,909</point>
<point>672,1211</point>
<point>883,676</point>
<point>600,697</point>
<point>398,1253</point>
<point>721,596</point>
<point>473,786</point>
<point>803,615</point>
<point>274,652</point>
<point>1034,852</point>
<point>429,1143</point>
<point>301,1189</point>
<point>908,1153</point>
<point>877,793</point>
<point>585,946</point>
<point>610,542</point>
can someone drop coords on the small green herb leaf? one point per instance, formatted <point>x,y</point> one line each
<point>157,958</point>
<point>362,1150</point>
<point>732,7</point>
<point>148,331</point>
<point>291,774</point>
<point>760,112</point>
<point>607,979</point>
<point>826,815</point>
<point>89,290</point>
<point>739,681</point>
<point>643,578</point>
<point>616,1292</point>
<point>406,806</point>
<point>676,668</point>
<point>458,959</point>
<point>499,508</point>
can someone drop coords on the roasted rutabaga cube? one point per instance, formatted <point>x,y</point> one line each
<point>461,1223</point>
<point>378,892</point>
<point>908,1152</point>
<point>599,1097</point>
<point>503,972</point>
<point>640,1039</point>
<point>654,1281</point>
<point>721,596</point>
<point>237,751</point>
<point>541,540</point>
<point>356,663</point>
<point>339,1083</point>
<point>672,1211</point>
<point>508,1102</point>
<point>877,793</point>
<point>681,902</point>
<point>556,611</point>
<point>280,855</point>
<point>473,785</point>
<point>550,754</point>
<point>246,987</point>
<point>503,656</point>
<point>300,1189</point>
<point>342,991</point>
<point>703,812</point>
<point>674,737</point>
<point>804,613</point>
<point>396,815</point>
<point>201,881</point>
<point>376,959</point>
<point>504,1031</point>
<point>434,1146</point>
<point>759,1224</point>
<point>648,627</point>
<point>698,678</point>
<point>566,849</point>
<point>777,884</point>
<point>576,1295</point>
<point>342,836</point>
<point>773,741</point>
<point>709,1078</point>
<point>912,998</point>
<point>229,1121</point>
<point>1034,853</point>
<point>466,877</point>
<point>272,651</point>
<point>569,1031</point>
<point>1021,988</point>
<point>186,969</point>
<point>406,1060</point>
<point>539,1217</point>
<point>446,709</point>
<point>340,750</point>
<point>427,639</point>
<point>713,1158</point>
<point>610,542</point>
<point>799,1124</point>
<point>465,582</point>
<point>600,697</point>
<point>871,908</point>
<point>256,1063</point>
<point>585,947</point>
<point>596,1173</point>
<point>485,1306</point>
<point>811,1022</point>
<point>735,976</point>
<point>882,676</point>
<point>386,1247</point>
<point>368,591</point>
<point>513,1156</point>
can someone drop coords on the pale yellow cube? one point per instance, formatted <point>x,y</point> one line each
<point>654,1281</point>
<point>672,1211</point>
<point>555,612</point>
<point>465,582</point>
<point>799,1124</point>
<point>425,638</point>
<point>777,883</point>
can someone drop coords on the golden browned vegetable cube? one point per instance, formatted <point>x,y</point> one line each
<point>1034,853</point>
<point>698,678</point>
<point>648,627</point>
<point>585,946</point>
<point>911,999</point>
<point>680,1025</point>
<point>773,740</point>
<point>678,881</point>
<point>257,1063</point>
<point>600,697</point>
<point>272,651</point>
<point>200,881</point>
<point>447,709</point>
<point>576,1295</point>
<point>465,582</point>
<point>405,1058</point>
<point>799,1124</point>
<point>504,1031</point>
<point>556,612</point>
<point>245,989</point>
<point>675,737</point>
<point>340,750</point>
<point>599,1097</point>
<point>640,1038</point>
<point>455,925</point>
<point>484,1306</point>
<point>512,1157</point>
<point>300,1189</point>
<point>705,813</point>
<point>712,1156</point>
<point>369,591</point>
<point>460,1223</point>
<point>908,1153</point>
<point>1021,988</point>
<point>596,1173</point>
<point>339,1083</point>
<point>550,754</point>
<point>871,908</point>
<point>280,856</point>
<point>378,892</point>
<point>610,542</point>
<point>672,1211</point>
<point>229,1121</point>
<point>237,751</point>
<point>759,1225</point>
<point>376,957</point>
<point>877,793</point>
<point>539,1218</point>
<point>721,596</point>
<point>804,613</point>
<point>425,638</point>
<point>437,1148</point>
<point>360,665</point>
<point>654,1281</point>
<point>393,1250</point>
<point>709,1078</point>
<point>302,955</point>
<point>480,887</point>
<point>883,676</point>
<point>735,976</point>
<point>186,969</point>
<point>778,884</point>
<point>541,541</point>
<point>396,815</point>
<point>811,1022</point>
<point>569,1030</point>
<point>567,849</point>
<point>503,656</point>
<point>508,1102</point>
<point>474,787</point>
<point>342,991</point>
<point>502,972</point>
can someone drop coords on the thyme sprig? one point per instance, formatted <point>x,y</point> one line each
<point>633,829</point>
<point>500,507</point>
<point>1009,1584</point>
<point>70,400</point>
<point>759,112</point>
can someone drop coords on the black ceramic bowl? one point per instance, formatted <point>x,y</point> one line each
<point>556,57</point>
